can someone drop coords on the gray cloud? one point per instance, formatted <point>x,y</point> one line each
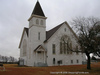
<point>15,13</point>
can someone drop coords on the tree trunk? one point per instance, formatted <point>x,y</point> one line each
<point>88,61</point>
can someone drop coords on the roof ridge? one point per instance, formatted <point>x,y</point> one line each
<point>55,27</point>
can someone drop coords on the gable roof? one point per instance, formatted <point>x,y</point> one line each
<point>39,47</point>
<point>38,10</point>
<point>48,33</point>
<point>24,30</point>
<point>52,31</point>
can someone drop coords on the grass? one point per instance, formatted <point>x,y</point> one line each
<point>13,69</point>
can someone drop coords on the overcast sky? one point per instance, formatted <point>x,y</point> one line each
<point>15,13</point>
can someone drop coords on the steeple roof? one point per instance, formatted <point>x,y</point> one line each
<point>38,10</point>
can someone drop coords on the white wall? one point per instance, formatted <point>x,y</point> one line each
<point>66,58</point>
<point>34,29</point>
<point>21,49</point>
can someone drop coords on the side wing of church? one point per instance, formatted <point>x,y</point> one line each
<point>39,47</point>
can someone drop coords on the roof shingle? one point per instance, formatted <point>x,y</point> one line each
<point>38,10</point>
<point>52,31</point>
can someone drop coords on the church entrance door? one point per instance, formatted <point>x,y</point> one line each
<point>40,56</point>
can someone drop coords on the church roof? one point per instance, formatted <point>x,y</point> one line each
<point>52,31</point>
<point>39,47</point>
<point>38,10</point>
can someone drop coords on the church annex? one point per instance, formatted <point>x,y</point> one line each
<point>39,47</point>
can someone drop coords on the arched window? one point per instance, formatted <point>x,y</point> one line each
<point>37,21</point>
<point>53,60</point>
<point>65,45</point>
<point>24,47</point>
<point>41,22</point>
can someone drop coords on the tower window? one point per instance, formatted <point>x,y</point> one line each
<point>37,21</point>
<point>41,22</point>
<point>38,35</point>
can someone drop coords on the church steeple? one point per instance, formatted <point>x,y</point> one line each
<point>38,10</point>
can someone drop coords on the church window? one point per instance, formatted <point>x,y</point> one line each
<point>38,35</point>
<point>59,62</point>
<point>64,48</point>
<point>77,50</point>
<point>77,61</point>
<point>53,48</point>
<point>53,60</point>
<point>63,44</point>
<point>71,61</point>
<point>71,48</point>
<point>37,21</point>
<point>41,22</point>
<point>60,47</point>
<point>69,45</point>
<point>24,47</point>
<point>65,29</point>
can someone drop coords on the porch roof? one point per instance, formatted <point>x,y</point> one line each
<point>40,46</point>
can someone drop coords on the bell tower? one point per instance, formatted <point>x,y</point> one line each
<point>37,17</point>
<point>37,26</point>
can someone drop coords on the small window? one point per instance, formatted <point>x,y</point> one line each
<point>53,48</point>
<point>53,60</point>
<point>71,48</point>
<point>41,22</point>
<point>77,61</point>
<point>65,29</point>
<point>77,50</point>
<point>71,61</point>
<point>38,35</point>
<point>64,48</point>
<point>37,21</point>
<point>61,48</point>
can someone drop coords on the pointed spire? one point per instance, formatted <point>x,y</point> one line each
<point>38,10</point>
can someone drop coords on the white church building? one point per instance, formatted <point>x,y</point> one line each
<point>39,47</point>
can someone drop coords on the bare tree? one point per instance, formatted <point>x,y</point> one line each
<point>6,59</point>
<point>11,59</point>
<point>3,59</point>
<point>88,31</point>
